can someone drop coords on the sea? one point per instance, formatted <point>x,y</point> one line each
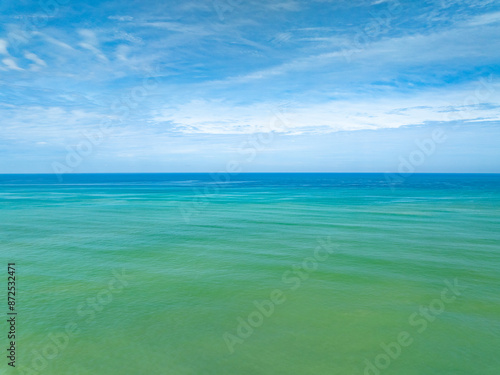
<point>249,274</point>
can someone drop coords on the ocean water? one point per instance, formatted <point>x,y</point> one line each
<point>251,274</point>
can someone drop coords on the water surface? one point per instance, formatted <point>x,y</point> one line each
<point>193,252</point>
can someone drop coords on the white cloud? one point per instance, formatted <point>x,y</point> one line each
<point>44,123</point>
<point>3,47</point>
<point>484,19</point>
<point>35,59</point>
<point>127,36</point>
<point>281,38</point>
<point>121,18</point>
<point>178,27</point>
<point>122,52</point>
<point>462,41</point>
<point>11,64</point>
<point>54,41</point>
<point>89,36</point>
<point>95,50</point>
<point>477,102</point>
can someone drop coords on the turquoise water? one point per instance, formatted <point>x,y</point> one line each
<point>253,274</point>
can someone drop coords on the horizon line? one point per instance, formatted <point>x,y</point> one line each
<point>242,173</point>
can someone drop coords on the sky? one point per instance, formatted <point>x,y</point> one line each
<point>249,86</point>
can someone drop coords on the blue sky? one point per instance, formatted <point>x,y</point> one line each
<point>287,85</point>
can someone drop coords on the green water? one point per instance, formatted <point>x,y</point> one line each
<point>354,262</point>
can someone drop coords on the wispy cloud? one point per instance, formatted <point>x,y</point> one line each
<point>326,59</point>
<point>38,61</point>
<point>3,47</point>
<point>357,113</point>
<point>121,18</point>
<point>485,19</point>
<point>91,43</point>
<point>289,5</point>
<point>11,64</point>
